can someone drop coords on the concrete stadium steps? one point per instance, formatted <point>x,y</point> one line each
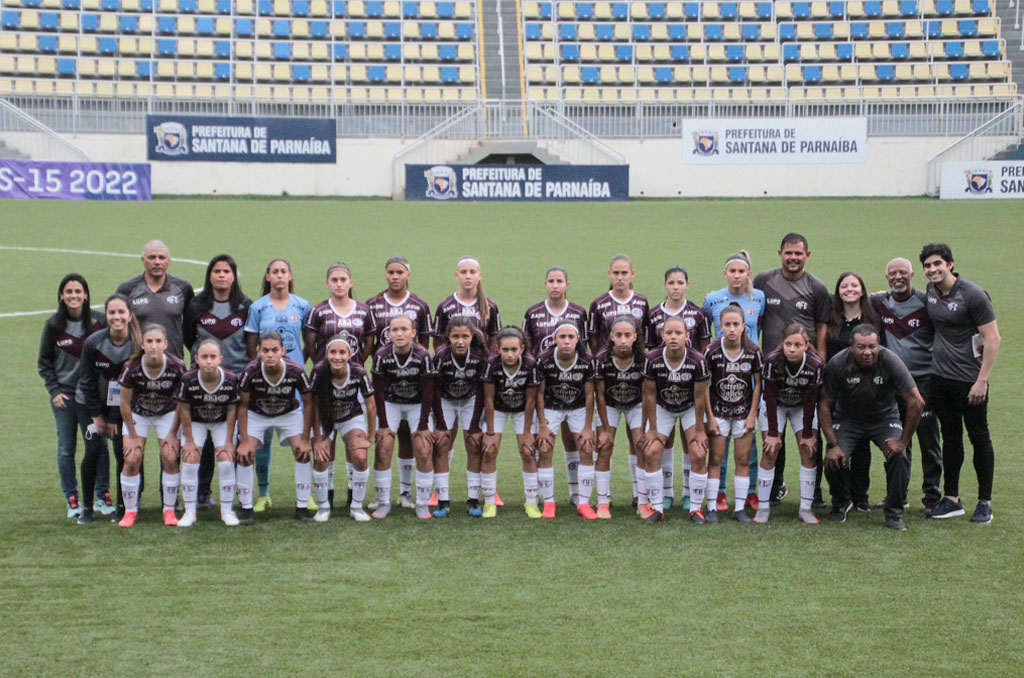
<point>500,83</point>
<point>1007,13</point>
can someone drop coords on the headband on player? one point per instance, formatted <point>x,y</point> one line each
<point>567,323</point>
<point>471,260</point>
<point>334,340</point>
<point>742,261</point>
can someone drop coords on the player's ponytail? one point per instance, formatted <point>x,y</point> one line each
<point>342,266</point>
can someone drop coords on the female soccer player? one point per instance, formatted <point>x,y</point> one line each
<point>735,364</point>
<point>618,395</point>
<point>60,350</point>
<point>566,394</point>
<point>104,355</point>
<point>675,390</point>
<point>403,384</point>
<point>280,311</point>
<point>148,383</point>
<point>207,396</point>
<point>270,388</point>
<point>341,393</point>
<point>510,393</point>
<point>469,301</point>
<point>791,380</point>
<point>396,299</point>
<point>459,365</point>
<point>620,299</point>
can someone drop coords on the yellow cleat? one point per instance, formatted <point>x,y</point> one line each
<point>263,504</point>
<point>490,510</point>
<point>532,511</point>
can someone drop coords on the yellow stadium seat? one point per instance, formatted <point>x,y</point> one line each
<point>300,51</point>
<point>646,52</point>
<point>374,29</point>
<point>531,10</point>
<point>841,30</point>
<point>922,72</point>
<point>393,73</point>
<point>463,10</point>
<point>748,10</point>
<point>243,49</point>
<point>27,42</point>
<point>862,50</point>
<point>602,11</point>
<point>282,72</point>
<point>392,9</point>
<point>659,52</point>
<point>697,53</point>
<point>127,46</point>
<point>163,5</point>
<point>904,72</point>
<point>848,72</point>
<point>357,73</point>
<point>819,10</point>
<point>146,23</point>
<point>264,27</point>
<point>186,69</point>
<point>855,8</point>
<point>65,43</point>
<point>716,52</point>
<point>876,30</point>
<point>693,33</point>
<point>720,94</point>
<point>164,69</point>
<point>446,30</point>
<point>319,8</point>
<point>708,10</point>
<point>108,23</point>
<point>918,50</point>
<point>830,73</point>
<point>638,10</point>
<point>927,7</point>
<point>319,73</point>
<point>771,52</point>
<point>566,10</point>
<point>204,48</point>
<point>950,29</point>
<point>805,31</point>
<point>206,6</point>
<point>645,74</point>
<point>606,52</point>
<point>988,26</point>
<point>300,28</point>
<point>866,72</point>
<point>428,52</point>
<point>880,50</point>
<point>891,8</point>
<point>925,91</point>
<point>674,10</point>
<point>535,74</point>
<point>794,73</point>
<point>962,6</point>
<point>68,21</point>
<point>914,29</point>
<point>375,52</point>
<point>410,30</point>
<point>356,8</point>
<point>186,47</point>
<point>768,31</point>
<point>998,69</point>
<point>827,51</point>
<point>731,32</point>
<point>753,52</point>
<point>413,73</point>
<point>699,74</point>
<point>784,10</point>
<point>609,95</point>
<point>338,28</point>
<point>87,44</point>
<point>719,74</point>
<point>659,32</point>
<point>808,52</point>
<point>339,73</point>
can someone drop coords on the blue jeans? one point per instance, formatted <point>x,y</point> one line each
<point>72,419</point>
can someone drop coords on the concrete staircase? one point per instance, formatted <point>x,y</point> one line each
<point>500,57</point>
<point>10,153</point>
<point>1006,10</point>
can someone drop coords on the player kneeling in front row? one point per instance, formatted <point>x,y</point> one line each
<point>207,397</point>
<point>341,389</point>
<point>861,384</point>
<point>270,387</point>
<point>148,383</point>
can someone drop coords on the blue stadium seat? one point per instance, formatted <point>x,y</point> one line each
<point>620,11</point>
<point>428,30</point>
<point>282,28</point>
<point>393,52</point>
<point>570,53</point>
<point>823,31</point>
<point>624,52</point>
<point>410,10</point>
<point>223,6</point>
<point>895,29</point>
<point>71,4</point>
<point>32,3</point>
<point>734,52</point>
<point>91,22</point>
<point>9,18</point>
<point>584,10</point>
<point>836,9</point>
<point>790,53</point>
<point>751,31</point>
<point>980,6</point>
<point>885,72</point>
<point>464,31</point>
<point>243,27</point>
<point>300,73</point>
<point>449,74</point>
<point>318,29</point>
<point>357,29</point>
<point>900,50</point>
<point>108,5</point>
<point>713,32</point>
<point>873,8</point>
<point>222,49</point>
<point>764,10</point>
<point>129,23</point>
<point>908,7</point>
<point>641,32</point>
<point>300,7</point>
<point>681,52</point>
<point>691,10</point>
<point>204,26</point>
<point>990,48</point>
<point>958,71</point>
<point>166,47</point>
<point>545,10</point>
<point>567,31</point>
<point>801,10</point>
<point>374,9</point>
<point>147,6</point>
<point>859,30</point>
<point>339,8</point>
<point>729,10</point>
<point>379,73</point>
<point>143,68</point>
<point>933,29</point>
<point>65,66</point>
<point>663,74</point>
<point>448,52</point>
<point>265,6</point>
<point>675,31</point>
<point>812,73</point>
<point>955,50</point>
<point>944,7</point>
<point>533,32</point>
<point>787,32</point>
<point>340,52</point>
<point>164,24</point>
<point>656,10</point>
<point>222,71</point>
<point>393,30</point>
<point>844,52</point>
<point>187,6</point>
<point>108,46</point>
<point>588,74</point>
<point>968,27</point>
<point>446,10</point>
<point>47,43</point>
<point>737,74</point>
<point>282,50</point>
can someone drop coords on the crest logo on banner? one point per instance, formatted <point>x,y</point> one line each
<point>978,181</point>
<point>705,143</point>
<point>441,183</point>
<point>171,138</point>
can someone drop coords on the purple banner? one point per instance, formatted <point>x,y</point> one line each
<point>74,180</point>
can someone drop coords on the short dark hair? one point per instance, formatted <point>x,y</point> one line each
<point>864,330</point>
<point>939,248</point>
<point>793,238</point>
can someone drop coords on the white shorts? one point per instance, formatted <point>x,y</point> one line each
<point>218,432</point>
<point>794,415</point>
<point>634,416</point>
<point>731,427</point>
<point>575,418</point>
<point>356,423</point>
<point>460,411</point>
<point>287,425</point>
<point>666,420</point>
<point>162,425</point>
<point>518,422</point>
<point>395,414</point>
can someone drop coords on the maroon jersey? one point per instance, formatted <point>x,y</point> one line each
<point>459,378</point>
<point>675,387</point>
<point>606,308</point>
<point>208,406</point>
<point>382,310</point>
<point>510,389</point>
<point>623,389</point>
<point>564,388</point>
<point>269,399</point>
<point>785,386</point>
<point>153,396</point>
<point>452,307</point>
<point>325,320</point>
<point>539,324</point>
<point>732,379</point>
<point>346,400</point>
<point>401,379</point>
<point>698,324</point>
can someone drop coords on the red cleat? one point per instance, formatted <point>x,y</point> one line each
<point>604,512</point>
<point>752,501</point>
<point>169,518</point>
<point>549,510</point>
<point>722,502</point>
<point>497,499</point>
<point>644,511</point>
<point>129,519</point>
<point>586,511</point>
<point>433,499</point>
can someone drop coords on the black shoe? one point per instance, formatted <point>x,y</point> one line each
<point>895,523</point>
<point>947,508</point>
<point>118,514</point>
<point>85,517</point>
<point>635,503</point>
<point>929,505</point>
<point>982,513</point>
<point>711,518</point>
<point>863,505</point>
<point>655,517</point>
<point>202,501</point>
<point>348,500</point>
<point>839,513</point>
<point>818,502</point>
<point>246,516</point>
<point>697,518</point>
<point>778,494</point>
<point>330,498</point>
<point>302,515</point>
<point>742,517</point>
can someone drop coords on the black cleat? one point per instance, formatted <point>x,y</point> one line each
<point>330,498</point>
<point>818,502</point>
<point>711,518</point>
<point>742,517</point>
<point>839,513</point>
<point>655,517</point>
<point>302,515</point>
<point>246,516</point>
<point>85,517</point>
<point>778,494</point>
<point>863,506</point>
<point>895,523</point>
<point>697,518</point>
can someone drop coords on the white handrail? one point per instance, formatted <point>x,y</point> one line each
<point>53,146</point>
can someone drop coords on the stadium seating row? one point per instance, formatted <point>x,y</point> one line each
<point>409,9</point>
<point>613,95</point>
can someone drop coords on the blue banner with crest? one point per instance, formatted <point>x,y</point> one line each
<point>201,138</point>
<point>525,183</point>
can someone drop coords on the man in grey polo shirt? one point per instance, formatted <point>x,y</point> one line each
<point>159,297</point>
<point>966,345</point>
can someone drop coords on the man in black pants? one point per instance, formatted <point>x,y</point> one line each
<point>862,383</point>
<point>966,345</point>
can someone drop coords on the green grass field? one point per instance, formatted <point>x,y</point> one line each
<point>509,596</point>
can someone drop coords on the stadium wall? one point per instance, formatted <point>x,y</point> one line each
<point>896,166</point>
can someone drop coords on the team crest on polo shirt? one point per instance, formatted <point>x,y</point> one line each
<point>979,182</point>
<point>442,183</point>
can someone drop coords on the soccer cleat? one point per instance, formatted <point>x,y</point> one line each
<point>752,501</point>
<point>323,514</point>
<point>473,508</point>
<point>229,518</point>
<point>839,513</point>
<point>497,499</point>
<point>697,518</point>
<point>85,518</point>
<point>807,517</point>
<point>312,505</point>
<point>549,510</point>
<point>604,512</point>
<point>818,502</point>
<point>170,519</point>
<point>302,514</point>
<point>104,505</point>
<point>982,513</point>
<point>762,515</point>
<point>373,505</point>
<point>667,501</point>
<point>381,512</point>
<point>433,499</point>
<point>686,502</point>
<point>532,511</point>
<point>74,509</point>
<point>246,516</point>
<point>263,504</point>
<point>896,523</point>
<point>742,517</point>
<point>644,511</point>
<point>947,508</point>
<point>187,520</point>
<point>586,511</point>
<point>423,512</point>
<point>721,502</point>
<point>128,519</point>
<point>490,510</point>
<point>778,494</point>
<point>863,506</point>
<point>358,514</point>
<point>712,517</point>
<point>405,501</point>
<point>203,501</point>
<point>655,517</point>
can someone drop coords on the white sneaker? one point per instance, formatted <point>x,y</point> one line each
<point>322,515</point>
<point>382,511</point>
<point>358,514</point>
<point>229,518</point>
<point>405,501</point>
<point>188,519</point>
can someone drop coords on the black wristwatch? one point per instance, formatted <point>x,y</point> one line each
<point>831,445</point>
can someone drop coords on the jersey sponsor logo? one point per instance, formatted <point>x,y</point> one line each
<point>732,389</point>
<point>564,392</point>
<point>208,320</point>
<point>65,342</point>
<point>140,301</point>
<point>773,301</point>
<point>952,306</point>
<point>745,367</point>
<point>802,305</point>
<point>173,299</point>
<point>672,396</point>
<point>853,380</point>
<point>623,393</point>
<point>879,380</point>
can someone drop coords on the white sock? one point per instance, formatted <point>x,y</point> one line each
<point>654,491</point>
<point>441,482</point>
<point>330,476</point>
<point>603,481</point>
<point>668,470</point>
<point>226,476</point>
<point>189,486</point>
<point>171,482</point>
<point>586,484</point>
<point>686,473</point>
<point>130,492</point>
<point>381,485</point>
<point>546,483</point>
<point>321,483</point>
<point>572,465</point>
<point>740,487</point>
<point>350,469</point>
<point>303,483</point>
<point>488,486</point>
<point>632,472</point>
<point>405,467</point>
<point>765,478</point>
<point>698,483</point>
<point>424,485</point>
<point>712,492</point>
<point>244,477</point>
<point>472,485</point>
<point>530,487</point>
<point>640,480</point>
<point>808,477</point>
<point>359,479</point>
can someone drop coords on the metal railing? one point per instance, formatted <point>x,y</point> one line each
<point>998,134</point>
<point>32,138</point>
<point>448,140</point>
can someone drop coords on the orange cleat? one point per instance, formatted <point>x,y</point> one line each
<point>586,511</point>
<point>644,511</point>
<point>169,518</point>
<point>752,501</point>
<point>603,512</point>
<point>497,499</point>
<point>129,519</point>
<point>722,502</point>
<point>549,510</point>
